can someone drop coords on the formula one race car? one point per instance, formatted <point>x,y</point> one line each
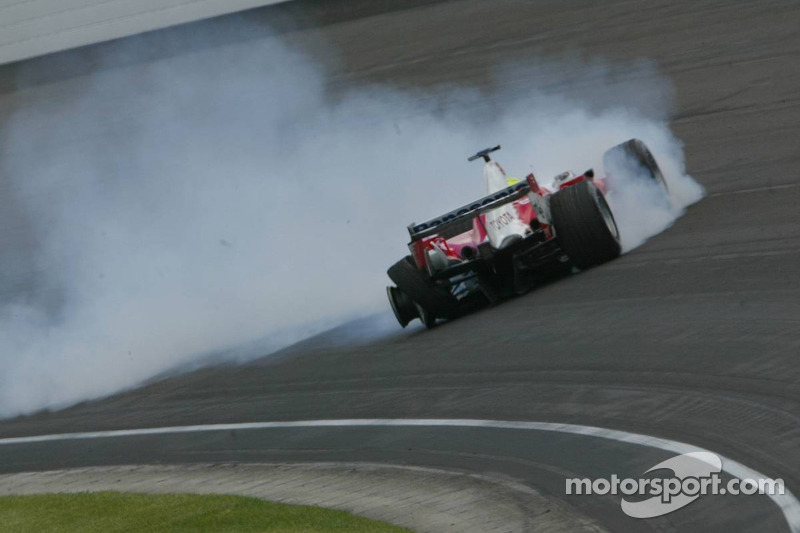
<point>518,236</point>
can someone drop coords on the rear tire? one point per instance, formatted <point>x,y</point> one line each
<point>403,308</point>
<point>435,301</point>
<point>584,224</point>
<point>617,160</point>
<point>427,318</point>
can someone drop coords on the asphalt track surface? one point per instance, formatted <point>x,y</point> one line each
<point>708,354</point>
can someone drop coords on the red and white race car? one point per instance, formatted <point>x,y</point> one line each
<point>519,235</point>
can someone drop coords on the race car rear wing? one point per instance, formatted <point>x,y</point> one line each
<point>460,220</point>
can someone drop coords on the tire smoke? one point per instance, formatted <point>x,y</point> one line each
<point>183,208</point>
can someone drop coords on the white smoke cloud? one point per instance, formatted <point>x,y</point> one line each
<point>223,198</point>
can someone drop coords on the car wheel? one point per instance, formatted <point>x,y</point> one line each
<point>436,302</point>
<point>585,227</point>
<point>426,317</point>
<point>617,161</point>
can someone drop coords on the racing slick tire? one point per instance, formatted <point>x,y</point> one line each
<point>404,309</point>
<point>430,302</point>
<point>427,318</point>
<point>585,227</point>
<point>636,151</point>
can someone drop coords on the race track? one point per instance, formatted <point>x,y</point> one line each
<point>709,352</point>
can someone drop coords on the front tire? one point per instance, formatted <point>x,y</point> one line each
<point>618,160</point>
<point>585,227</point>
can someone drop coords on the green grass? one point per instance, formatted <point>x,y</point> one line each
<point>116,512</point>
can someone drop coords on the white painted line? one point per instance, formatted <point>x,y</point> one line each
<point>787,502</point>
